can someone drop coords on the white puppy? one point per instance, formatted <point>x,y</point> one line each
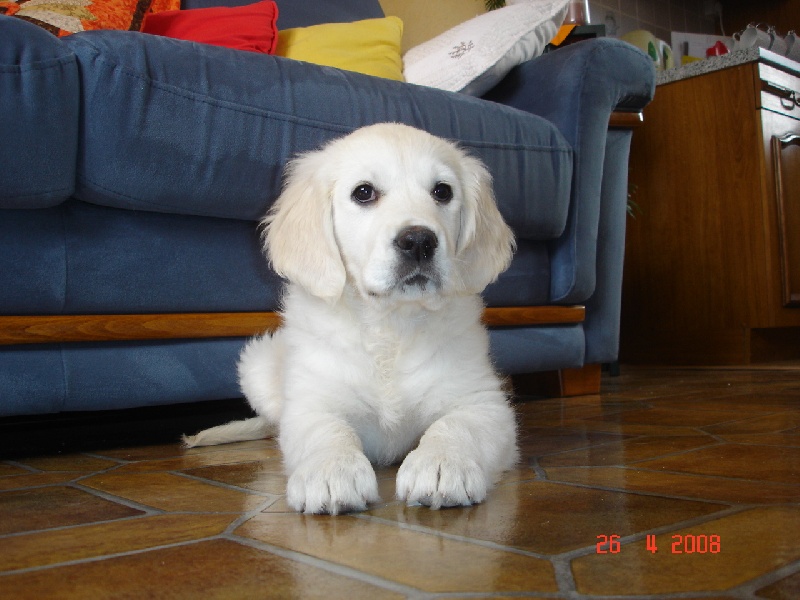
<point>386,237</point>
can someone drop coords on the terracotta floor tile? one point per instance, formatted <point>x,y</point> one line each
<point>747,404</point>
<point>620,453</point>
<point>650,394</point>
<point>790,438</point>
<point>521,473</point>
<point>670,416</point>
<point>774,423</point>
<point>420,560</point>
<point>785,589</point>
<point>230,456</point>
<point>538,441</point>
<point>610,411</point>
<point>735,491</point>
<point>261,476</point>
<point>496,597</point>
<point>752,543</point>
<point>166,491</point>
<point>280,506</point>
<point>75,543</point>
<point>531,407</point>
<point>760,463</point>
<point>627,429</point>
<point>7,470</point>
<point>208,570</point>
<point>175,450</point>
<point>531,410</point>
<point>69,462</point>
<point>39,479</point>
<point>549,518</point>
<point>45,508</point>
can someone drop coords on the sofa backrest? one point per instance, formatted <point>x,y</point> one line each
<point>40,95</point>
<point>302,13</point>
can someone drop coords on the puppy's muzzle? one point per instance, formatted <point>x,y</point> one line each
<point>416,247</point>
<point>417,244</point>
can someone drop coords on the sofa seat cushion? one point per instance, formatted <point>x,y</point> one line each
<point>78,258</point>
<point>39,93</point>
<point>178,127</point>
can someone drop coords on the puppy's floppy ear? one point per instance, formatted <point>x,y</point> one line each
<point>299,237</point>
<point>486,244</point>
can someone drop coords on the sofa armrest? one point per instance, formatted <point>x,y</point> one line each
<point>577,88</point>
<point>590,79</point>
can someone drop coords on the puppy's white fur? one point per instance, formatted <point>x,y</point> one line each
<point>380,361</point>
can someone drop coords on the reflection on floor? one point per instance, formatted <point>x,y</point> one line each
<point>672,483</point>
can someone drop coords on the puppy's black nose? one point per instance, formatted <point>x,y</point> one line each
<point>417,243</point>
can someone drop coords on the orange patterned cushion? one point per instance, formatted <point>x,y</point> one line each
<point>62,17</point>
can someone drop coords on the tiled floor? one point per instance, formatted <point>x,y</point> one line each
<point>703,465</point>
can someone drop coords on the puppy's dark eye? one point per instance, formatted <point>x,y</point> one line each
<point>442,192</point>
<point>364,193</point>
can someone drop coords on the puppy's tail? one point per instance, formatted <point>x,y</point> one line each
<point>256,428</point>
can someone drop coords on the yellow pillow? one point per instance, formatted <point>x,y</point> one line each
<point>371,46</point>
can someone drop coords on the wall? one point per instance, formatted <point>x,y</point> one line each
<point>657,16</point>
<point>425,19</point>
<point>783,14</point>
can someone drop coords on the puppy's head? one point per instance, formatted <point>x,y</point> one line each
<point>392,211</point>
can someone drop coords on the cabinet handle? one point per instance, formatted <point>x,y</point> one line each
<point>789,138</point>
<point>789,98</point>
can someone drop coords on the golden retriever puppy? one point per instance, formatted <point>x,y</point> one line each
<point>387,237</point>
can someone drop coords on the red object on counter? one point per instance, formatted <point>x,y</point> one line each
<point>717,49</point>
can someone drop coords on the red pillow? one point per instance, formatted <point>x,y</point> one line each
<point>252,27</point>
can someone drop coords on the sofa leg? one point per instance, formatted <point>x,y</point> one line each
<point>580,382</point>
<point>583,381</point>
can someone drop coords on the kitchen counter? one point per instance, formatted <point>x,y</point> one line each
<point>717,63</point>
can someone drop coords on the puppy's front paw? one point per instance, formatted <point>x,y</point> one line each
<point>439,479</point>
<point>333,484</point>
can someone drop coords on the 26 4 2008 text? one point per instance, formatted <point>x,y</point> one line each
<point>679,544</point>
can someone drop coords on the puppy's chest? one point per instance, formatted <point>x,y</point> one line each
<point>398,370</point>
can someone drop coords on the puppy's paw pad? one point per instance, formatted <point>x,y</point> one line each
<point>440,480</point>
<point>333,485</point>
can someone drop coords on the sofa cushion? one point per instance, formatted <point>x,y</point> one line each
<point>252,27</point>
<point>39,92</point>
<point>65,17</point>
<point>474,56</point>
<point>302,13</point>
<point>78,258</point>
<point>371,46</point>
<point>172,126</point>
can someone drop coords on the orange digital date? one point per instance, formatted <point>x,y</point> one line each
<point>681,544</point>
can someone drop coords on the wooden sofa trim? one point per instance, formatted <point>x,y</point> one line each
<point>625,120</point>
<point>52,329</point>
<point>48,329</point>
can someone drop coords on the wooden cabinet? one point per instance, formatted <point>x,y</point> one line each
<point>784,136</point>
<point>712,262</point>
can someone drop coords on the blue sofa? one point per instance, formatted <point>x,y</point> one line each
<point>134,168</point>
